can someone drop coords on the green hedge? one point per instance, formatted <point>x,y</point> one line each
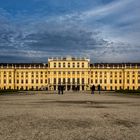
<point>8,91</point>
<point>128,91</point>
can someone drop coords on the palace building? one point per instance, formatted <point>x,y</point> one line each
<point>73,73</point>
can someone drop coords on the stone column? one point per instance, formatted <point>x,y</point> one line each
<point>80,81</point>
<point>56,80</point>
<point>66,80</point>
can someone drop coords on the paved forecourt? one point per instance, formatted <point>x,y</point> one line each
<point>71,116</point>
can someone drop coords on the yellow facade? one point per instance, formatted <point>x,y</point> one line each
<point>73,73</point>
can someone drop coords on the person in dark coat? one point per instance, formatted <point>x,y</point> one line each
<point>92,89</point>
<point>99,89</point>
<point>62,89</point>
<point>59,89</point>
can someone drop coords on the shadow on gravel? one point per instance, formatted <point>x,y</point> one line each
<point>82,102</point>
<point>124,95</point>
<point>125,123</point>
<point>85,104</point>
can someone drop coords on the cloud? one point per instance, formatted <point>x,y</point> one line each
<point>103,32</point>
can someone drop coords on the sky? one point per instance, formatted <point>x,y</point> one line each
<point>102,30</point>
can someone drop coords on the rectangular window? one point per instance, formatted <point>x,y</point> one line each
<point>73,65</point>
<point>22,81</point>
<point>133,81</point>
<point>78,65</point>
<point>10,81</point>
<point>59,80</point>
<point>63,65</point>
<point>120,81</point>
<point>49,81</point>
<point>83,81</point>
<point>127,81</point>
<point>88,80</point>
<point>78,81</point>
<point>68,65</point>
<point>59,65</point>
<point>96,81</point>
<point>4,81</point>
<point>68,80</point>
<point>54,80</point>
<point>73,80</point>
<point>64,80</point>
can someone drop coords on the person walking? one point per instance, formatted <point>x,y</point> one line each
<point>99,89</point>
<point>59,89</point>
<point>92,89</point>
<point>62,89</point>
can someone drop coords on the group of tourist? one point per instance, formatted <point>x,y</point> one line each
<point>61,89</point>
<point>93,88</point>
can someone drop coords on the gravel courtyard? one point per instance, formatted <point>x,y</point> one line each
<point>72,116</point>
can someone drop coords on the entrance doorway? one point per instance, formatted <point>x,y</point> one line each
<point>68,87</point>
